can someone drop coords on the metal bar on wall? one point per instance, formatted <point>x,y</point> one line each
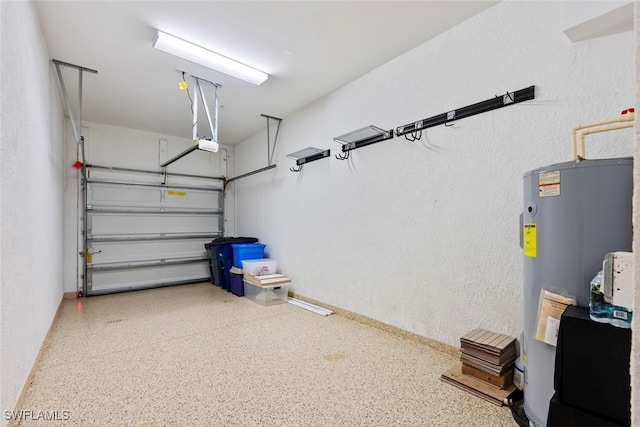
<point>507,99</point>
<point>244,175</point>
<point>143,184</point>
<point>179,156</point>
<point>270,151</point>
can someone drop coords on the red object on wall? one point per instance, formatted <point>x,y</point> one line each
<point>78,164</point>
<point>628,110</point>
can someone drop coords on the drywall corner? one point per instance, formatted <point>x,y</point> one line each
<point>2,405</point>
<point>635,344</point>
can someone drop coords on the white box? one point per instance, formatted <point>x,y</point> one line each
<point>258,267</point>
<point>266,295</point>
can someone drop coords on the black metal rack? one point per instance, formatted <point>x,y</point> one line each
<point>361,138</point>
<point>505,100</point>
<point>307,155</point>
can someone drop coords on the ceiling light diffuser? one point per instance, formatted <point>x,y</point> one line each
<point>194,53</point>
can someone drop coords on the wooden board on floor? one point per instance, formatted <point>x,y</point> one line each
<point>477,387</point>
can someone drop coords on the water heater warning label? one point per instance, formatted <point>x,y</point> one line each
<point>530,240</point>
<point>549,184</point>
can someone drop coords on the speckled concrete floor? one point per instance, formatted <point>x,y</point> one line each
<point>196,355</point>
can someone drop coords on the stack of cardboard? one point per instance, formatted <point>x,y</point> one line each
<point>268,280</point>
<point>488,356</point>
<point>487,365</point>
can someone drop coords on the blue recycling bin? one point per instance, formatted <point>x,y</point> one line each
<point>245,251</point>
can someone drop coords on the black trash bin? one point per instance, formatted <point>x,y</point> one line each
<point>220,257</point>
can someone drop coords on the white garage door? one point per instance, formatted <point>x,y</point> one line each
<point>145,230</point>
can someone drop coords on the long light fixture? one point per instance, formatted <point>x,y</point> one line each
<point>194,53</point>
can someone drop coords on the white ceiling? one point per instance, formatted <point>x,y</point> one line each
<point>309,49</point>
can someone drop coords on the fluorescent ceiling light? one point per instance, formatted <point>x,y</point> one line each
<point>202,56</point>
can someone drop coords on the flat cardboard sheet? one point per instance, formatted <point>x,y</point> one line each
<point>485,391</point>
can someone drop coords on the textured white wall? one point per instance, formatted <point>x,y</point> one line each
<point>425,235</point>
<point>31,206</point>
<point>1,162</point>
<point>635,345</point>
<point>113,146</point>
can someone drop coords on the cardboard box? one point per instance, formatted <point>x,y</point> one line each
<point>502,381</point>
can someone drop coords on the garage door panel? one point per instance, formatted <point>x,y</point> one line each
<point>104,224</point>
<point>118,195</point>
<point>185,198</point>
<point>119,280</point>
<point>141,234</point>
<point>133,177</point>
<point>193,182</point>
<point>113,252</point>
<point>117,175</point>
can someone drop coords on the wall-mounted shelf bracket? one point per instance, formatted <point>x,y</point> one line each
<point>509,98</point>
<point>361,138</point>
<point>76,123</point>
<point>307,155</point>
<point>244,175</point>
<point>270,151</point>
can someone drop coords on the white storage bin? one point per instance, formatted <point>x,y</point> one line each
<point>266,295</point>
<point>258,267</point>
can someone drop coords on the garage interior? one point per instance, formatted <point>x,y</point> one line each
<point>413,238</point>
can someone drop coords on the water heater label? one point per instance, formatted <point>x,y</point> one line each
<point>549,184</point>
<point>530,240</point>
